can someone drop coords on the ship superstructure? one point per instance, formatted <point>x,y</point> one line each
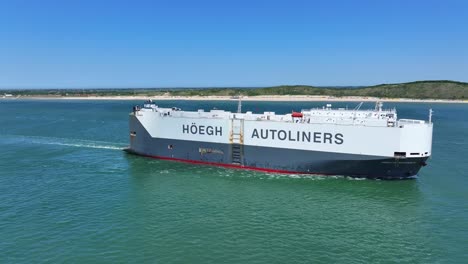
<point>328,141</point>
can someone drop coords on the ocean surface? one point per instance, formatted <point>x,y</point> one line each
<point>69,194</point>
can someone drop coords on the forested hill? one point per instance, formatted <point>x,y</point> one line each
<point>415,90</point>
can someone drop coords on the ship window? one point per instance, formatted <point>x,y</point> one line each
<point>400,154</point>
<point>170,146</point>
<point>414,153</point>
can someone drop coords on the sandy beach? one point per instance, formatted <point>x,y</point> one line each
<point>271,98</point>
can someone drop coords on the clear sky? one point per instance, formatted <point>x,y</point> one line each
<point>99,43</point>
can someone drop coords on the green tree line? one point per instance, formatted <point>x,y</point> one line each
<point>414,90</point>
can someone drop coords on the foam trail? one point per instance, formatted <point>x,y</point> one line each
<point>79,143</point>
<point>85,145</point>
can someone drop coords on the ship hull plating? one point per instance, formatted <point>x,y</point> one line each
<point>271,159</point>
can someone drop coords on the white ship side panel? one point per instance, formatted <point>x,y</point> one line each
<point>194,129</point>
<point>377,141</point>
<point>416,139</point>
<point>347,139</point>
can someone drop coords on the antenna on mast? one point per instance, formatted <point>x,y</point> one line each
<point>239,105</point>
<point>378,106</point>
<point>430,115</point>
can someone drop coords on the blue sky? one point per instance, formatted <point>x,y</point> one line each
<point>87,44</point>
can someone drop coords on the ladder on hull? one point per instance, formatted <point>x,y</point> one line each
<point>237,141</point>
<point>236,154</point>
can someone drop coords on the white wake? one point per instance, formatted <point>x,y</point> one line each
<point>69,142</point>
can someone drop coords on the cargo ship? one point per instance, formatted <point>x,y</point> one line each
<point>370,143</point>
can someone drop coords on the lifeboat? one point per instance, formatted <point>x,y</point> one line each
<point>297,114</point>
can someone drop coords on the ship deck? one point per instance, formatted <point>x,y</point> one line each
<point>326,115</point>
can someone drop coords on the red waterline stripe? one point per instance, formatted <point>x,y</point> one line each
<point>231,166</point>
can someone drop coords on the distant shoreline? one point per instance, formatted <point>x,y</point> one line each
<point>270,98</point>
<point>440,91</point>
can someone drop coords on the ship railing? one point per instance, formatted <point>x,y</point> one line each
<point>411,121</point>
<point>199,115</point>
<point>348,110</point>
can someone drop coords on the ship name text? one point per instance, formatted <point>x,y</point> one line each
<point>202,130</point>
<point>300,136</point>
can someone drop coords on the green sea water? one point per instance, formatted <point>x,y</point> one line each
<point>69,194</point>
